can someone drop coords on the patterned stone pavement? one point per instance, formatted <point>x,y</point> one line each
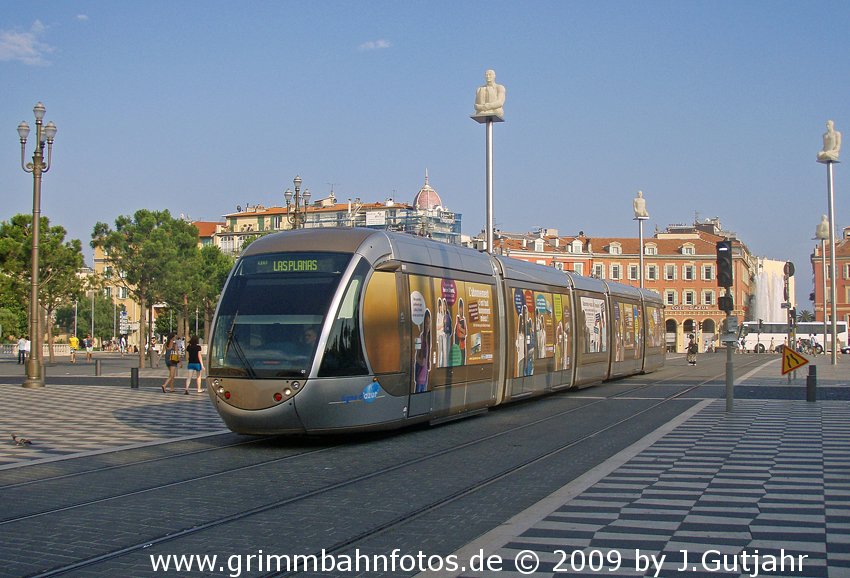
<point>746,493</point>
<point>72,420</point>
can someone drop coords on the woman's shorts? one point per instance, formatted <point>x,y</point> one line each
<point>194,367</point>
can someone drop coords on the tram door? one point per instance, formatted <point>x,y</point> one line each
<point>418,339</point>
<point>386,331</point>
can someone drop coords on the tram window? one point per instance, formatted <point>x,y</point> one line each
<point>344,352</point>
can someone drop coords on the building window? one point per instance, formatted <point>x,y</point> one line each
<point>708,297</point>
<point>652,272</point>
<point>578,268</point>
<point>688,272</point>
<point>278,221</point>
<point>670,297</point>
<point>650,250</point>
<point>599,271</point>
<point>615,249</point>
<point>575,246</point>
<point>633,272</point>
<point>687,249</point>
<point>689,298</point>
<point>123,293</point>
<point>615,272</point>
<point>847,271</point>
<point>670,272</point>
<point>107,292</point>
<point>707,272</point>
<point>559,266</point>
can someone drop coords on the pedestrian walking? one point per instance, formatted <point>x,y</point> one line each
<point>89,345</point>
<point>693,348</point>
<point>172,361</point>
<point>195,364</point>
<point>74,344</point>
<point>22,350</point>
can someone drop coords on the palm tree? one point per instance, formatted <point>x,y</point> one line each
<point>805,315</point>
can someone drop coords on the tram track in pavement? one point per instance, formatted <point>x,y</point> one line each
<point>352,481</point>
<point>408,517</point>
<point>180,455</point>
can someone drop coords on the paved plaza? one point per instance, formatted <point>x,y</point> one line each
<point>78,413</point>
<point>771,478</point>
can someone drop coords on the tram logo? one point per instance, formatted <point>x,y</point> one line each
<point>368,395</point>
<point>370,392</point>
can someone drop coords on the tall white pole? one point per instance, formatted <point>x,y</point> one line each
<point>829,156</point>
<point>833,308</point>
<point>489,102</point>
<point>640,232</point>
<point>823,267</point>
<point>489,146</point>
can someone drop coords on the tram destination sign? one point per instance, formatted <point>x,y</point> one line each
<point>298,263</point>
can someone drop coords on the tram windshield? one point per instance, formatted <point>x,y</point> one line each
<point>271,314</point>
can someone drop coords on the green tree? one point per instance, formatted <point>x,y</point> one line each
<point>59,263</point>
<point>181,285</point>
<point>105,316</point>
<point>805,315</point>
<point>214,269</point>
<point>148,249</point>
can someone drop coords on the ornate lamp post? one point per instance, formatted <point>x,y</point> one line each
<point>34,365</point>
<point>296,213</point>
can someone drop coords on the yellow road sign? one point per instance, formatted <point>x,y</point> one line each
<point>791,360</point>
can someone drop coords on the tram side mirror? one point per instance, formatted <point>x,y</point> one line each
<point>389,265</point>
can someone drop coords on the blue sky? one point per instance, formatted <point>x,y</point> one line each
<point>711,108</point>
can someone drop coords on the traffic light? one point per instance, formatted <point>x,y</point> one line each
<point>724,302</point>
<point>724,263</point>
<point>792,317</point>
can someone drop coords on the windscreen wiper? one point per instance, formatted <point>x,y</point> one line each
<point>237,349</point>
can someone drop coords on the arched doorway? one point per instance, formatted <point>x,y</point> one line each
<point>709,335</point>
<point>670,330</point>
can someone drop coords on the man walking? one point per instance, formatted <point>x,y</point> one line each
<point>22,350</point>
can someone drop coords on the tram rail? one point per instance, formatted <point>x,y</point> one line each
<point>385,526</point>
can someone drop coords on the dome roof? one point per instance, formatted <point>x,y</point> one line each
<point>427,198</point>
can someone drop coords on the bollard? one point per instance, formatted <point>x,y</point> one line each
<point>134,378</point>
<point>812,383</point>
<point>97,367</point>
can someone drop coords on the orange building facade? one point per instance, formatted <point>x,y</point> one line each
<point>842,280</point>
<point>679,263</point>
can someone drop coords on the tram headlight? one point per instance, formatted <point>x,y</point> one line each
<point>287,392</point>
<point>295,385</point>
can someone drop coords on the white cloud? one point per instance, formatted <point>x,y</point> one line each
<point>82,17</point>
<point>25,46</point>
<point>374,45</point>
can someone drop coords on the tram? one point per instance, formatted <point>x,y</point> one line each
<point>339,330</point>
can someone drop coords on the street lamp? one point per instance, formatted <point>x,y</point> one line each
<point>296,212</point>
<point>34,365</point>
<point>639,205</point>
<point>822,234</point>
